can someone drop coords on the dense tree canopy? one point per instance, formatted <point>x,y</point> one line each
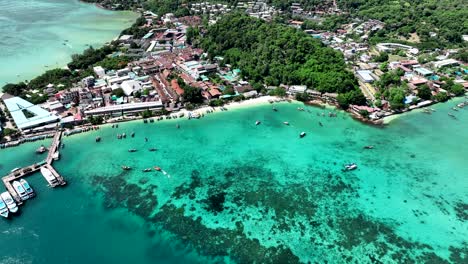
<point>275,54</point>
<point>446,18</point>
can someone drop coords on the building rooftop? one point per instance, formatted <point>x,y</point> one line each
<point>20,109</point>
<point>423,71</point>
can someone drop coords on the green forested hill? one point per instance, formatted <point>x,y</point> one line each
<point>272,53</point>
<point>447,18</point>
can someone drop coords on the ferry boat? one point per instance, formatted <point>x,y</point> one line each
<point>11,204</point>
<point>303,134</point>
<point>28,188</point>
<point>257,122</point>
<point>20,190</point>
<point>50,178</point>
<point>349,167</point>
<point>3,208</point>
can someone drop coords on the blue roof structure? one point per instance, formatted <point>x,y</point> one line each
<point>19,107</point>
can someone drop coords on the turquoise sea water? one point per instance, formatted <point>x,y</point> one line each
<point>33,34</point>
<point>240,193</point>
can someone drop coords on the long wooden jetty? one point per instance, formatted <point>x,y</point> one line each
<point>29,170</point>
<point>54,147</point>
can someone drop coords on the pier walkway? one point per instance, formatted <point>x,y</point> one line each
<point>29,170</point>
<point>54,146</point>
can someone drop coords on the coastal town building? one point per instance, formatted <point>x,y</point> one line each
<point>27,115</point>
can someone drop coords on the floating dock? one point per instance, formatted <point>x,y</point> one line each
<point>50,174</point>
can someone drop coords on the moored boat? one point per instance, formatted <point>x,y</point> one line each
<point>303,134</point>
<point>350,166</point>
<point>257,122</point>
<point>126,168</point>
<point>124,135</point>
<point>3,208</point>
<point>147,170</point>
<point>20,190</point>
<point>41,149</point>
<point>152,149</point>
<point>274,109</point>
<point>368,147</point>
<point>11,204</point>
<point>132,150</point>
<point>98,139</point>
<point>133,134</point>
<point>157,168</point>
<point>49,176</point>
<point>28,188</point>
<point>286,123</point>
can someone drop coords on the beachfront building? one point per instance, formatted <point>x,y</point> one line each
<point>27,115</point>
<point>129,109</point>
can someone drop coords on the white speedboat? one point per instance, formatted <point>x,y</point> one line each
<point>303,134</point>
<point>11,204</point>
<point>20,190</point>
<point>3,208</point>
<point>28,188</point>
<point>257,122</point>
<point>286,123</point>
<point>351,166</point>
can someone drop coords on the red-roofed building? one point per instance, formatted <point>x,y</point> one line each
<point>176,87</point>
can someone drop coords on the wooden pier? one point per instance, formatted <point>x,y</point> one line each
<point>54,147</point>
<point>29,170</point>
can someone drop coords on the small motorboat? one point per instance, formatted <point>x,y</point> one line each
<point>146,139</point>
<point>257,122</point>
<point>41,149</point>
<point>156,168</point>
<point>119,136</point>
<point>320,123</point>
<point>145,121</point>
<point>177,126</point>
<point>126,168</point>
<point>132,150</point>
<point>116,125</point>
<point>454,109</point>
<point>152,149</point>
<point>124,135</point>
<point>133,134</point>
<point>303,134</point>
<point>98,139</point>
<point>350,166</point>
<point>286,123</point>
<point>112,125</point>
<point>274,109</point>
<point>452,115</point>
<point>368,147</point>
<point>147,170</point>
<point>151,120</point>
<point>300,109</point>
